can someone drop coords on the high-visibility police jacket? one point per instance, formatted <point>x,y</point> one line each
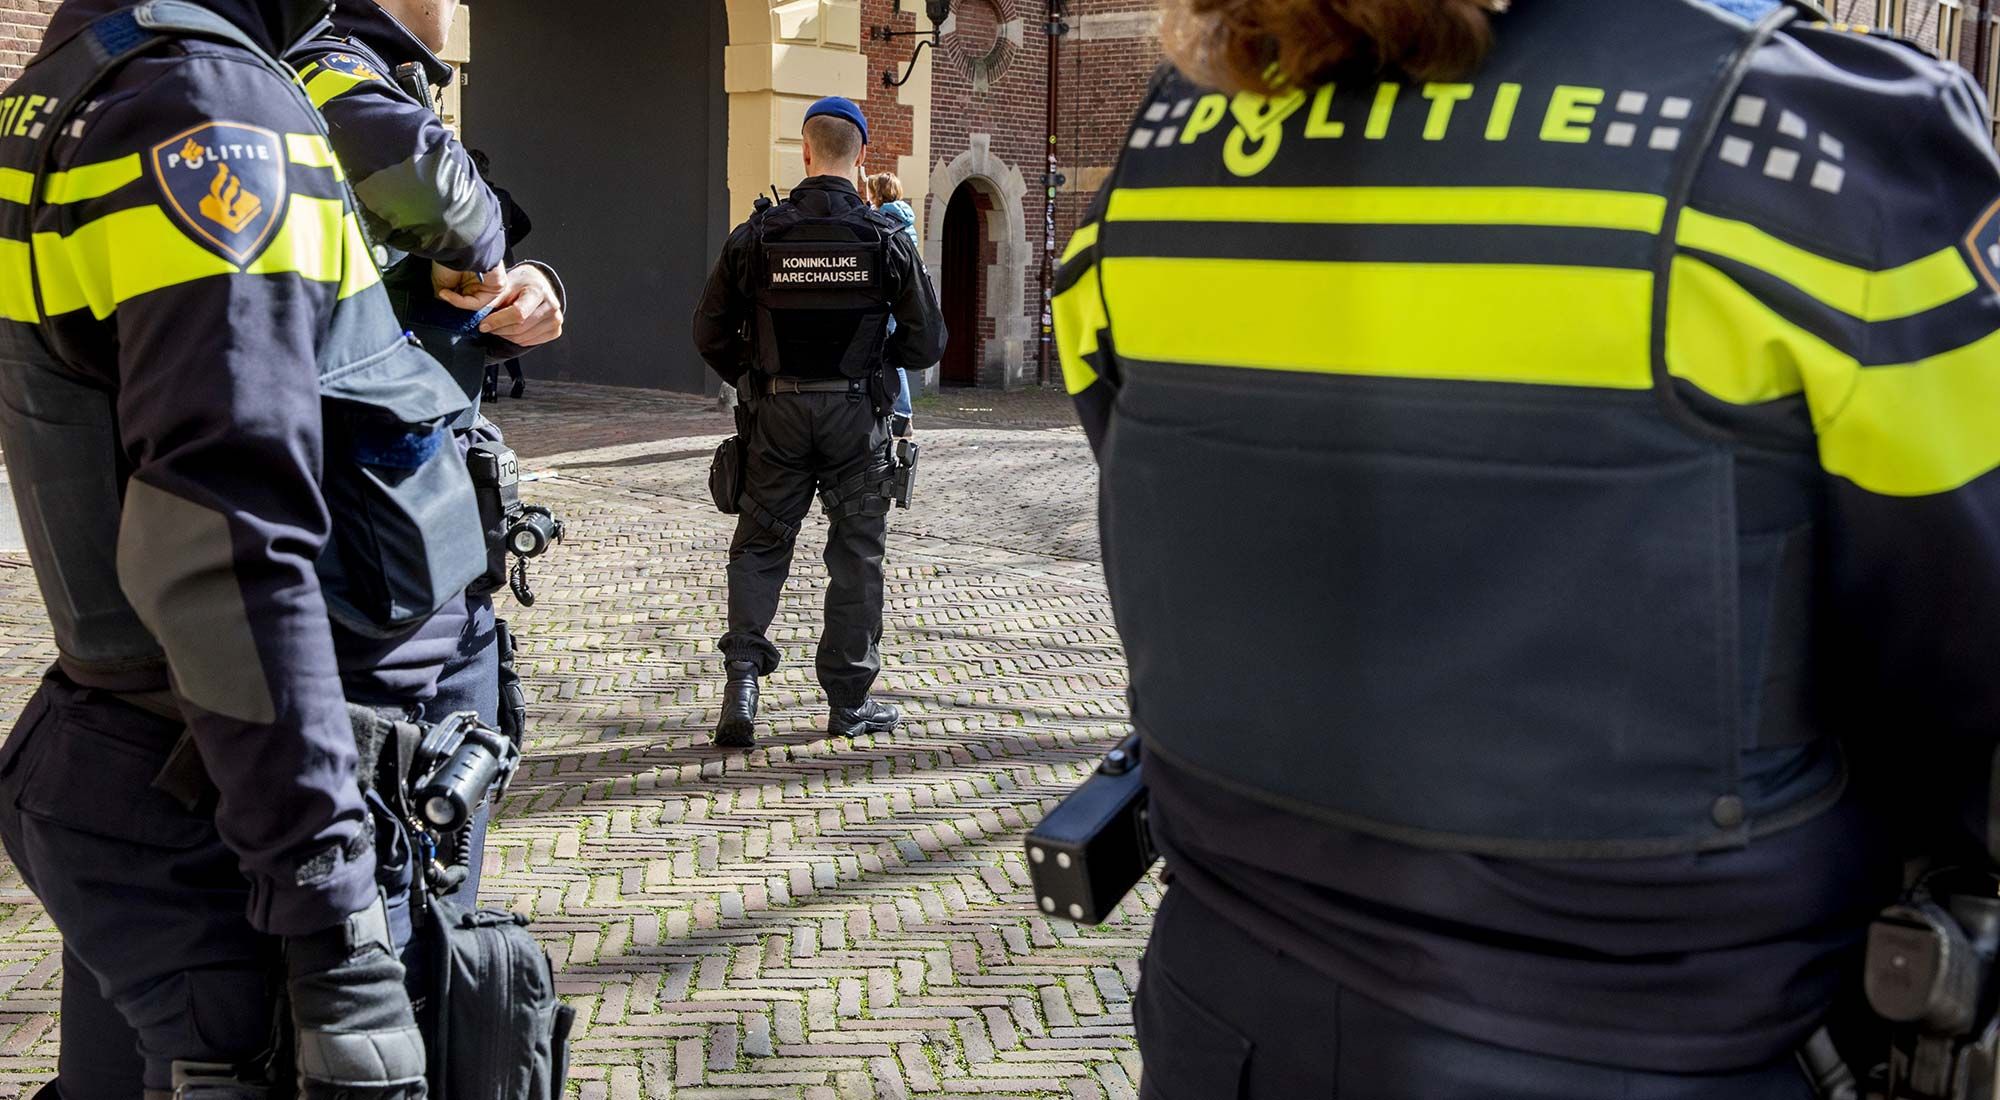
<point>203,341</point>
<point>1592,459</point>
<point>420,192</point>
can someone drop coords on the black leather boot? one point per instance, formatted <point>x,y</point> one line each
<point>869,717</point>
<point>738,728</point>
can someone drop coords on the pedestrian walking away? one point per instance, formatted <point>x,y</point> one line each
<point>885,190</point>
<point>796,316</point>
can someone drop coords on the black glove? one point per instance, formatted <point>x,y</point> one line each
<point>357,1037</point>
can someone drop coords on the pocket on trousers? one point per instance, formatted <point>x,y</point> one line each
<point>91,780</point>
<point>1189,1053</point>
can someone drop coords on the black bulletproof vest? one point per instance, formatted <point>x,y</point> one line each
<point>406,536</point>
<point>1504,593</point>
<point>822,292</point>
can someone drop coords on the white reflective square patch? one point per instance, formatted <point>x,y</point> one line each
<point>1736,151</point>
<point>1832,146</point>
<point>1620,134</point>
<point>1782,164</point>
<point>1156,113</point>
<point>1141,138</point>
<point>1829,177</point>
<point>1632,103</point>
<point>1665,138</point>
<point>1676,108</point>
<point>1792,125</point>
<point>1749,111</point>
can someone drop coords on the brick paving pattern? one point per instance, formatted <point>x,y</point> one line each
<point>810,920</point>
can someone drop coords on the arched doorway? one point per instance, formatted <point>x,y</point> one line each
<point>963,246</point>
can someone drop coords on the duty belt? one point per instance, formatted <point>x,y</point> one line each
<point>815,385</point>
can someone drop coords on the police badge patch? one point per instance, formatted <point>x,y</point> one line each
<point>351,65</point>
<point>1982,246</point>
<point>225,185</point>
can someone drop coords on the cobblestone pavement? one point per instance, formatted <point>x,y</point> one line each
<point>810,919</point>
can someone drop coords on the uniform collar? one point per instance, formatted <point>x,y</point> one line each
<point>833,187</point>
<point>376,29</point>
<point>74,15</point>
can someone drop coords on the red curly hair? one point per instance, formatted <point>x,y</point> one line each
<point>1271,45</point>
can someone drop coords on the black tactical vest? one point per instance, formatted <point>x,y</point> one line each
<point>822,292</point>
<point>406,535</point>
<point>1408,526</point>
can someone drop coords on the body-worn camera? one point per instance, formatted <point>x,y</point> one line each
<point>516,533</point>
<point>1929,973</point>
<point>1090,851</point>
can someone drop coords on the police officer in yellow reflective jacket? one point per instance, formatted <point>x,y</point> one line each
<point>1550,505</point>
<point>435,221</point>
<point>214,429</point>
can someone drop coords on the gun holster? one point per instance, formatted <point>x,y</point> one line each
<point>726,473</point>
<point>1929,974</point>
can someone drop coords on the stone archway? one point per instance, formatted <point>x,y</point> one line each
<point>1003,356</point>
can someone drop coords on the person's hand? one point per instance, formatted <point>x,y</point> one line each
<point>468,285</point>
<point>526,310</point>
<point>357,1037</point>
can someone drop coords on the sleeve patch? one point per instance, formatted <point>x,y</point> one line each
<point>1982,246</point>
<point>351,65</point>
<point>224,184</point>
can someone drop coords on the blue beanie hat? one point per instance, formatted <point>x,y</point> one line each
<point>841,108</point>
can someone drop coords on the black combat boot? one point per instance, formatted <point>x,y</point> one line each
<point>869,717</point>
<point>738,728</point>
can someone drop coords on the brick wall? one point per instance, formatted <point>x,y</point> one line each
<point>986,83</point>
<point>1106,62</point>
<point>21,25</point>
<point>889,122</point>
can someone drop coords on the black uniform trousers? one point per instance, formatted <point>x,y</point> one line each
<point>1222,1017</point>
<point>801,444</point>
<point>149,899</point>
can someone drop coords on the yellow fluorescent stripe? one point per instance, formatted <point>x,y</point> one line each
<point>1722,339</point>
<point>17,300</point>
<point>330,85</point>
<point>309,243</point>
<point>1920,429</point>
<point>1079,315</point>
<point>1471,322</point>
<point>312,151</point>
<point>1916,287</point>
<point>1911,430</point>
<point>358,271</point>
<point>89,181</point>
<point>121,256</point>
<point>1393,206</point>
<point>1085,237</point>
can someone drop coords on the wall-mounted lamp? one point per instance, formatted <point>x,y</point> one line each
<point>939,11</point>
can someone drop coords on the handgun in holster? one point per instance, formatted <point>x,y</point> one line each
<point>903,462</point>
<point>1093,848</point>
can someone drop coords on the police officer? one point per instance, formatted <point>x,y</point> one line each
<point>796,316</point>
<point>441,234</point>
<point>214,426</point>
<point>1549,499</point>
